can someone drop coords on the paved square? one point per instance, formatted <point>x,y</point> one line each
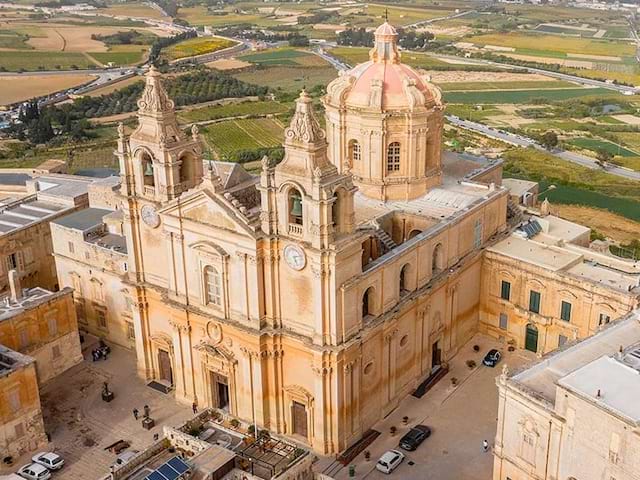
<point>81,425</point>
<point>460,418</point>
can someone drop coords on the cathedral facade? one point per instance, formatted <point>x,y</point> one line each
<point>311,299</point>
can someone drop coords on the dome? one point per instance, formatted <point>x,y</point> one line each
<point>384,82</point>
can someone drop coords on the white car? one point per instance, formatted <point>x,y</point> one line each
<point>389,461</point>
<point>34,471</point>
<point>51,460</point>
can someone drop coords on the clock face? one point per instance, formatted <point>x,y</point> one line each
<point>295,257</point>
<point>150,216</point>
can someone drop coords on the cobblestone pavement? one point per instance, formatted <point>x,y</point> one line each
<point>460,417</point>
<point>81,425</point>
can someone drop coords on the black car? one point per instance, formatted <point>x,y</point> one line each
<point>492,358</point>
<point>414,437</point>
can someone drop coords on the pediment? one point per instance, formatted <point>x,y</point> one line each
<point>207,208</point>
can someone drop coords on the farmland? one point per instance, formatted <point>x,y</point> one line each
<point>287,78</point>
<point>232,110</point>
<point>595,145</point>
<point>506,85</point>
<point>14,61</point>
<point>196,46</point>
<point>23,87</point>
<point>229,137</point>
<point>284,57</point>
<point>522,96</point>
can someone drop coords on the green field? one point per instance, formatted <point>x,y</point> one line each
<point>196,46</point>
<point>594,144</point>
<point>290,79</point>
<point>283,56</point>
<point>232,110</point>
<point>555,43</point>
<point>229,137</point>
<point>522,96</point>
<point>14,40</point>
<point>118,58</point>
<point>36,60</point>
<point>519,85</point>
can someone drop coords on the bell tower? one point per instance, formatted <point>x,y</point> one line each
<point>158,161</point>
<point>305,198</point>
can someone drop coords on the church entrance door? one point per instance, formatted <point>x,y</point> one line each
<point>436,356</point>
<point>164,364</point>
<point>219,391</point>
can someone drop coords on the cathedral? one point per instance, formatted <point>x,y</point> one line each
<point>308,300</point>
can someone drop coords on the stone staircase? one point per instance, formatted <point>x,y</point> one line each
<point>386,241</point>
<point>514,213</point>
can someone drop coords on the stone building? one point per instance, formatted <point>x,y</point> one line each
<point>575,414</point>
<point>43,325</point>
<point>21,424</point>
<point>25,237</point>
<point>542,287</point>
<point>311,299</point>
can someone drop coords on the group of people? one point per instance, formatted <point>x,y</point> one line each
<point>102,352</point>
<point>147,412</point>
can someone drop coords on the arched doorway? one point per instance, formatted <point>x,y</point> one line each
<point>531,338</point>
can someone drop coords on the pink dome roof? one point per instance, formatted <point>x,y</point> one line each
<point>384,82</point>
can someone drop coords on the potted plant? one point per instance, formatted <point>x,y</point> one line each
<point>235,423</point>
<point>367,455</point>
<point>476,348</point>
<point>454,381</point>
<point>392,431</point>
<point>471,364</point>
<point>405,420</point>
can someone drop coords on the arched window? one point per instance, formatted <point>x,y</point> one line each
<point>186,168</point>
<point>355,153</point>
<point>404,272</point>
<point>335,212</point>
<point>367,303</point>
<point>295,207</point>
<point>213,286</point>
<point>147,170</point>
<point>437,260</point>
<point>393,157</point>
<point>414,232</point>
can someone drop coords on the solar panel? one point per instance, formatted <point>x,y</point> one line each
<point>178,465</point>
<point>155,476</point>
<point>531,228</point>
<point>168,472</point>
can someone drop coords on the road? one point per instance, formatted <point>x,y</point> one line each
<point>522,141</point>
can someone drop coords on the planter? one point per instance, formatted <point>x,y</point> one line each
<point>107,396</point>
<point>148,423</point>
<point>392,431</point>
<point>405,420</point>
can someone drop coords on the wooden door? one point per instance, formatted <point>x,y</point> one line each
<point>531,338</point>
<point>299,418</point>
<point>164,363</point>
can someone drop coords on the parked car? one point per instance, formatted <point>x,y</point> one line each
<point>51,460</point>
<point>125,457</point>
<point>389,461</point>
<point>34,471</point>
<point>414,437</point>
<point>492,358</point>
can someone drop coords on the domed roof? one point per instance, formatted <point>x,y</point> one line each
<point>384,82</point>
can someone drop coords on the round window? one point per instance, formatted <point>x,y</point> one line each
<point>404,340</point>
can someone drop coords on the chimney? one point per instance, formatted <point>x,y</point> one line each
<point>14,285</point>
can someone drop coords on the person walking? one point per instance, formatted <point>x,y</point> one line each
<point>194,406</point>
<point>135,413</point>
<point>485,446</point>
<point>147,411</point>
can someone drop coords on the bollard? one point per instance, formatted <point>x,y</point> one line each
<point>352,471</point>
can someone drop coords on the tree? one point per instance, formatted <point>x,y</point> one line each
<point>603,157</point>
<point>549,139</point>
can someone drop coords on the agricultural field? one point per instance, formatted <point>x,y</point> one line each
<point>594,145</point>
<point>24,87</point>
<point>284,57</point>
<point>229,137</point>
<point>355,55</point>
<point>506,85</point>
<point>235,109</point>
<point>196,46</point>
<point>522,96</point>
<point>617,227</point>
<point>200,15</point>
<point>31,61</point>
<point>133,10</point>
<point>288,79</point>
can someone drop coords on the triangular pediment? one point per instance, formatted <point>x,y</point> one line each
<point>207,208</point>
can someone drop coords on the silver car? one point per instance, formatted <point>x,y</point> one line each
<point>34,471</point>
<point>51,460</point>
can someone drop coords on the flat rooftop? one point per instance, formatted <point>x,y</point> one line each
<point>549,257</point>
<point>30,297</point>
<point>26,212</point>
<point>518,187</point>
<point>543,378</point>
<point>617,384</point>
<point>10,360</point>
<point>83,220</point>
<point>61,187</point>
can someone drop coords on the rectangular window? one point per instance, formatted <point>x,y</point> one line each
<point>71,247</point>
<point>55,351</point>
<point>23,338</point>
<point>534,301</point>
<point>52,324</point>
<point>102,319</point>
<point>561,340</point>
<point>13,399</point>
<point>131,333</point>
<point>12,262</point>
<point>565,311</point>
<point>477,233</point>
<point>505,290</point>
<point>604,319</point>
<point>504,321</point>
<point>214,291</point>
